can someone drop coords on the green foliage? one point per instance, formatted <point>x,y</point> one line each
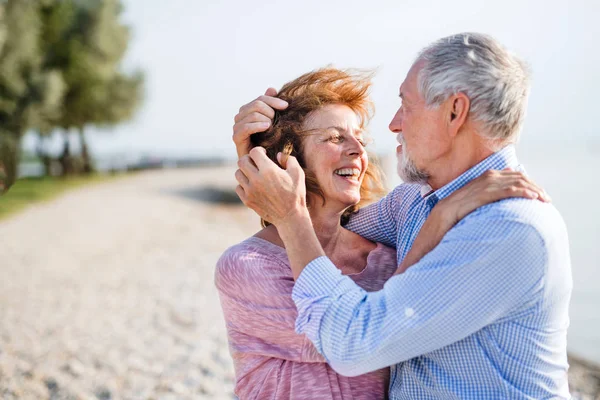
<point>23,84</point>
<point>60,69</point>
<point>90,53</point>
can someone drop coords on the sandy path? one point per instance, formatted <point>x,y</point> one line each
<point>108,291</point>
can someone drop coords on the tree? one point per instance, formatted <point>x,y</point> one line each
<point>29,96</point>
<point>98,93</point>
<point>60,68</point>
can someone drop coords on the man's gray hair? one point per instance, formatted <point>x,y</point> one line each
<point>495,80</point>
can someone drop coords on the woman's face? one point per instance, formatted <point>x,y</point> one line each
<point>334,152</point>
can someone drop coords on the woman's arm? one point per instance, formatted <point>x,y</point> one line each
<point>488,188</point>
<point>255,293</point>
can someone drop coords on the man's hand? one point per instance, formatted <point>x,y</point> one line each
<point>255,117</point>
<point>272,192</point>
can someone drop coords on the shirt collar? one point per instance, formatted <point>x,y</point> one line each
<point>505,158</point>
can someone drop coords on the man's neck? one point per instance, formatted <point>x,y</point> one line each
<point>462,157</point>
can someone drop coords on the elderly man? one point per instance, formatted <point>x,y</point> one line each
<point>485,313</point>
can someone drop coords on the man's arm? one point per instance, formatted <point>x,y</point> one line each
<point>482,269</point>
<point>379,222</point>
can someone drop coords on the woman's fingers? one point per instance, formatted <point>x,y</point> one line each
<point>490,187</point>
<point>511,184</point>
<point>521,185</point>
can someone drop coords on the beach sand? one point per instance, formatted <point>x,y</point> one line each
<point>107,292</point>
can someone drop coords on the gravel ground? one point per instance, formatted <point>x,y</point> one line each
<point>107,292</point>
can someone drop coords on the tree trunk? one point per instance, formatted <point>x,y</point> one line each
<point>43,155</point>
<point>9,160</point>
<point>88,167</point>
<point>65,158</point>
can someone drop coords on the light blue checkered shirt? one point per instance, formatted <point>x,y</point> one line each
<point>482,316</point>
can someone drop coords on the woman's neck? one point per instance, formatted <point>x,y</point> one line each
<point>327,227</point>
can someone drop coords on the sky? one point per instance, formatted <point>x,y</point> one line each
<point>204,59</point>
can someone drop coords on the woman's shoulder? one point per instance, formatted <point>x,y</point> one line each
<point>252,258</point>
<point>381,265</point>
<point>383,255</point>
<point>377,251</point>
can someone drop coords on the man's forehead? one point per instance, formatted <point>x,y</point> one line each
<point>410,82</point>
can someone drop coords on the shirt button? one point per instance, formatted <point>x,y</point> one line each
<point>409,312</point>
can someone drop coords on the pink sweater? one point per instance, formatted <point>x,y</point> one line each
<point>271,360</point>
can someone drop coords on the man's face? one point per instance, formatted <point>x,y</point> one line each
<point>420,131</point>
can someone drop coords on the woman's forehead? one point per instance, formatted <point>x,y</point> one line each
<point>333,116</point>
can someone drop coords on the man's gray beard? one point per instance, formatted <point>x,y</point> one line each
<point>409,172</point>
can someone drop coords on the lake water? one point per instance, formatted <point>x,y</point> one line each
<point>570,174</point>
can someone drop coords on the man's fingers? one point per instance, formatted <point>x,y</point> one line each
<point>242,133</point>
<point>258,106</point>
<point>254,117</point>
<point>274,102</point>
<point>241,194</point>
<point>282,159</point>
<point>241,178</point>
<point>247,166</point>
<point>264,104</point>
<point>259,156</point>
<point>294,168</point>
<point>243,130</point>
<point>271,92</point>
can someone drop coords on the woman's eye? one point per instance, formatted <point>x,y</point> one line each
<point>336,138</point>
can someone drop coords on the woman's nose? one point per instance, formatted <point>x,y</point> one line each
<point>355,148</point>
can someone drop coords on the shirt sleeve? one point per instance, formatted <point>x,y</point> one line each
<point>378,222</point>
<point>260,314</point>
<point>482,269</point>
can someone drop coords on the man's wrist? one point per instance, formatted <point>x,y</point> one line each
<point>297,218</point>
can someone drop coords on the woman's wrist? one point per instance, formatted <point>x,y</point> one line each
<point>445,214</point>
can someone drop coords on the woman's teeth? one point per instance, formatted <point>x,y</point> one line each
<point>347,171</point>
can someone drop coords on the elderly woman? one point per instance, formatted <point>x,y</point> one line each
<point>324,128</point>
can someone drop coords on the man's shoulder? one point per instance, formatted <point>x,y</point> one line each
<point>407,191</point>
<point>543,218</point>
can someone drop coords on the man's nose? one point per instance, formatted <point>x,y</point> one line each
<point>396,123</point>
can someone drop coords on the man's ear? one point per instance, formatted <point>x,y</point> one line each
<point>458,112</point>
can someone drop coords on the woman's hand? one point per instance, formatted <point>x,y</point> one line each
<point>255,117</point>
<point>491,186</point>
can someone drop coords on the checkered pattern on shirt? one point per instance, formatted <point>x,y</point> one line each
<point>482,316</point>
